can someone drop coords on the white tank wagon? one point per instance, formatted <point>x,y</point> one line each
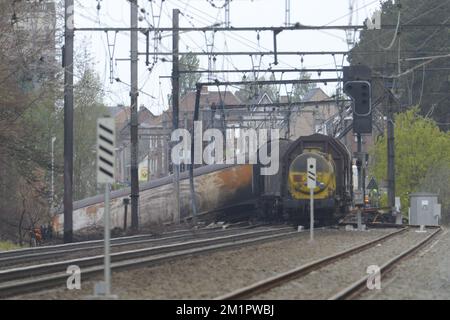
<point>217,188</point>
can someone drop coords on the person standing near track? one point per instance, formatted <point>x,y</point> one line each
<point>32,238</point>
<point>38,236</point>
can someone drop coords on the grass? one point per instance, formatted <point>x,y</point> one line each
<point>6,245</point>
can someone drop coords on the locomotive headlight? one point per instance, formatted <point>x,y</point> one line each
<point>321,185</point>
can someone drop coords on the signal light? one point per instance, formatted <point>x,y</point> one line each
<point>361,93</point>
<point>357,86</point>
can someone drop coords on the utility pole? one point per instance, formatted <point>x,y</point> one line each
<point>390,154</point>
<point>134,117</point>
<point>287,13</point>
<point>165,147</point>
<point>359,161</point>
<point>53,174</point>
<point>175,106</point>
<point>361,166</point>
<point>68,119</point>
<point>227,13</point>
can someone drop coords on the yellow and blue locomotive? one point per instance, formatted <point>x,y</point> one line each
<point>287,195</point>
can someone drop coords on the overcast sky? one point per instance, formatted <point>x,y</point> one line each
<point>198,13</point>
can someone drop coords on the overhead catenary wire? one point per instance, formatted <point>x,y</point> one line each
<point>129,85</point>
<point>389,47</point>
<point>96,20</point>
<point>415,17</point>
<point>420,65</point>
<point>423,84</point>
<point>189,8</point>
<point>432,35</point>
<point>237,37</point>
<point>232,37</point>
<point>227,58</point>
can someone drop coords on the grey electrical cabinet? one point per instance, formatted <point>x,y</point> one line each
<point>424,209</point>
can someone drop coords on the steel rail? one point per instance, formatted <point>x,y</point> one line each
<point>80,244</point>
<point>61,252</point>
<point>51,275</point>
<point>359,286</point>
<point>39,269</point>
<point>136,239</point>
<point>277,280</point>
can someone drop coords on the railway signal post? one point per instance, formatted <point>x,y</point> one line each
<point>357,85</point>
<point>311,164</point>
<point>105,175</point>
<point>359,204</point>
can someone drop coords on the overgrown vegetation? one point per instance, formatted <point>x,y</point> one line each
<point>31,114</point>
<point>424,82</point>
<point>422,159</point>
<point>249,93</point>
<point>188,62</point>
<point>7,245</point>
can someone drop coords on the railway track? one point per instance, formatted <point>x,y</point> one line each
<point>57,252</point>
<point>356,288</point>
<point>350,291</point>
<point>31,278</point>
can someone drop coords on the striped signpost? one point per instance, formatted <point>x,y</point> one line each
<point>311,174</point>
<point>105,174</point>
<point>105,150</point>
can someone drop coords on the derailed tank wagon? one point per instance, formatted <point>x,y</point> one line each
<point>241,191</point>
<point>219,188</point>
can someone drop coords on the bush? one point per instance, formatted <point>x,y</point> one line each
<point>422,160</point>
<point>6,245</point>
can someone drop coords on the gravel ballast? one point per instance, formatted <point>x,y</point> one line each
<point>210,275</point>
<point>331,279</point>
<point>426,275</point>
<point>149,243</point>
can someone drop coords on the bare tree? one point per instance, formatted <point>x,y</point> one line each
<point>29,85</point>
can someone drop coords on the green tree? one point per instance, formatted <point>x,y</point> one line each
<point>422,155</point>
<point>272,89</point>
<point>428,86</point>
<point>188,62</point>
<point>89,106</point>
<point>248,93</point>
<point>299,90</point>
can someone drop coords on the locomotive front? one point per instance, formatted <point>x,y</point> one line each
<point>331,192</point>
<point>326,179</point>
<point>286,195</point>
<point>298,197</point>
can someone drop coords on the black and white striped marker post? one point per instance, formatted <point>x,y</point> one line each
<point>105,174</point>
<point>105,150</point>
<point>312,178</point>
